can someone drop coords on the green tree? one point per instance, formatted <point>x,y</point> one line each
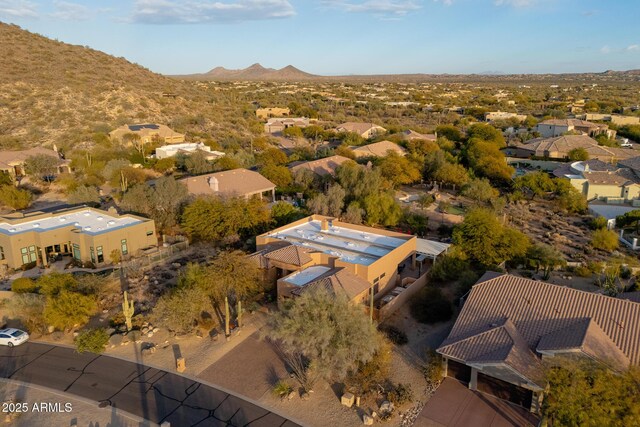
<point>451,173</point>
<point>92,340</point>
<point>590,394</point>
<point>284,213</point>
<point>162,202</point>
<point>569,198</point>
<point>272,156</point>
<point>165,165</point>
<point>399,169</point>
<point>606,240</point>
<point>546,258</point>
<point>41,166</point>
<point>53,283</point>
<point>279,175</point>
<point>68,309</point>
<point>487,133</point>
<point>450,132</point>
<point>323,335</point>
<point>196,163</point>
<point>578,154</point>
<point>330,203</point>
<point>484,239</point>
<point>480,190</point>
<point>29,309</point>
<point>293,132</point>
<point>15,198</point>
<point>354,213</point>
<point>180,310</point>
<point>382,209</point>
<point>536,183</point>
<point>629,219</point>
<point>216,219</point>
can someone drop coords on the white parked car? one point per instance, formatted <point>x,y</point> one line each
<point>11,337</point>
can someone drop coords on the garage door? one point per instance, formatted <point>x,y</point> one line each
<point>459,371</point>
<point>504,390</point>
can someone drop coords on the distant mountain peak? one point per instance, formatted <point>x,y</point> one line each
<point>255,72</point>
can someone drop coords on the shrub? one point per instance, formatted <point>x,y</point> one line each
<point>449,267</point>
<point>92,340</point>
<point>69,309</point>
<point>432,369</point>
<point>282,389</point>
<point>394,334</point>
<point>605,240</point>
<point>582,271</point>
<point>431,306</point>
<point>24,285</point>
<point>29,308</point>
<point>598,223</point>
<point>400,394</point>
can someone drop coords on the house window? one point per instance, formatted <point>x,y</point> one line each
<point>56,248</point>
<point>100,254</point>
<point>76,252</point>
<point>1,252</point>
<point>149,233</point>
<point>93,255</point>
<point>28,255</point>
<point>382,275</point>
<point>123,244</point>
<point>376,280</point>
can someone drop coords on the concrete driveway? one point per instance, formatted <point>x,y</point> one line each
<point>141,390</point>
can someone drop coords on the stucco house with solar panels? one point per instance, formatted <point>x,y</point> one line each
<point>86,234</point>
<point>320,251</point>
<point>149,132</point>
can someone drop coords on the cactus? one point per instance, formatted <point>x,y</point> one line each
<point>127,310</point>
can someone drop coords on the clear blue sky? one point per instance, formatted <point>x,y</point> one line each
<point>347,36</point>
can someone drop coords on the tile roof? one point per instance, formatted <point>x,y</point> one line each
<point>593,164</point>
<point>572,122</point>
<point>291,254</point>
<point>410,135</point>
<point>232,182</point>
<point>322,167</point>
<point>631,163</point>
<point>8,159</point>
<point>337,280</point>
<point>538,309</point>
<point>565,143</point>
<point>357,127</point>
<point>620,177</point>
<point>378,149</point>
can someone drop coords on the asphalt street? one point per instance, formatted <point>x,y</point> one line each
<point>147,392</point>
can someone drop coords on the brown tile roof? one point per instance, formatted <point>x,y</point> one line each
<point>336,281</point>
<point>620,177</point>
<point>410,135</point>
<point>585,336</point>
<point>291,254</point>
<point>322,167</point>
<point>8,159</point>
<point>233,182</point>
<point>631,163</point>
<point>565,143</point>
<point>378,149</point>
<point>538,309</point>
<point>357,127</point>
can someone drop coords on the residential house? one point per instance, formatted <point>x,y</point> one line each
<point>596,179</point>
<point>265,113</point>
<point>509,326</point>
<point>186,148</point>
<point>378,149</point>
<point>274,125</point>
<point>559,148</point>
<point>343,257</point>
<point>320,167</point>
<point>231,183</point>
<point>613,118</point>
<point>410,135</point>
<point>503,115</point>
<point>148,132</point>
<point>87,234</point>
<point>12,162</point>
<point>365,130</point>
<point>558,127</point>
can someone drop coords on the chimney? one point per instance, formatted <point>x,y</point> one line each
<point>324,225</point>
<point>586,167</point>
<point>213,184</point>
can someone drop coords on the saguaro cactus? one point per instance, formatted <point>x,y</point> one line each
<point>127,310</point>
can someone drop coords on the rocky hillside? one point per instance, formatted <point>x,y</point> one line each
<point>53,92</point>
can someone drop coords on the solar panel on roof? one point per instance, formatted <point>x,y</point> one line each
<point>136,128</point>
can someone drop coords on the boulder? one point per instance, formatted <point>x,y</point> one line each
<point>367,420</point>
<point>347,399</point>
<point>386,406</point>
<point>115,340</point>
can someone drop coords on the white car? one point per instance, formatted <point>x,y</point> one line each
<point>11,337</point>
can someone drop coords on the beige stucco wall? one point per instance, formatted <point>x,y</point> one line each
<point>135,235</point>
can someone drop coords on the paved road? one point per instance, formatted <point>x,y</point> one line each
<point>147,392</point>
